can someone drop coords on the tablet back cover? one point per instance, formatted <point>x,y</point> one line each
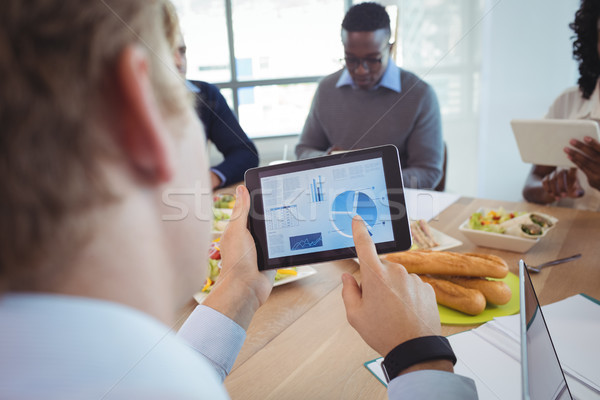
<point>542,141</point>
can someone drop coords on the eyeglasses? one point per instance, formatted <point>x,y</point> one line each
<point>369,64</point>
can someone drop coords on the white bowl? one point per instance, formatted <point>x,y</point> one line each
<point>511,240</point>
<point>497,240</point>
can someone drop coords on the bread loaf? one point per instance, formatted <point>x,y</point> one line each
<point>469,301</point>
<point>448,263</point>
<point>495,292</point>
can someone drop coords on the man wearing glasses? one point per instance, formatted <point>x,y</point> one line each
<point>373,102</point>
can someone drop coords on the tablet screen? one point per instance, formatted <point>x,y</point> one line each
<point>302,211</point>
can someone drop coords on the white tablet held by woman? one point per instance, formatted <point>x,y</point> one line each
<point>541,141</point>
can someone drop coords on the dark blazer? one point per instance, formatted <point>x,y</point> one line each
<point>223,129</point>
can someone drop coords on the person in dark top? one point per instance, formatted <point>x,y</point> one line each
<point>224,130</point>
<point>220,124</point>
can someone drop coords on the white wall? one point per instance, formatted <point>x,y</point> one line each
<point>526,63</point>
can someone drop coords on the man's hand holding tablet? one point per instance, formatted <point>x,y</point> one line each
<point>301,212</point>
<point>241,288</point>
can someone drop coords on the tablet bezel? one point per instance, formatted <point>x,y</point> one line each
<point>396,201</point>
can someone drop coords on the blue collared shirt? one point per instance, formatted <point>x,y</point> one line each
<point>75,348</point>
<point>390,79</point>
<point>191,87</point>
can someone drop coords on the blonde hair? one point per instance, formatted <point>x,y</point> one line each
<point>170,23</point>
<point>57,78</point>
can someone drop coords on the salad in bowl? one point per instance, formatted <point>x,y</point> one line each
<point>516,223</point>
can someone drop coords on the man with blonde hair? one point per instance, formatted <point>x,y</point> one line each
<point>105,201</point>
<point>100,158</point>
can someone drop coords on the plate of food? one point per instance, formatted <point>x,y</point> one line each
<point>221,217</point>
<point>282,276</point>
<point>470,288</point>
<point>516,231</point>
<point>425,237</point>
<point>226,201</point>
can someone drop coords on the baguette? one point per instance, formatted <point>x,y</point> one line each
<point>495,292</point>
<point>488,257</point>
<point>448,263</point>
<point>469,301</point>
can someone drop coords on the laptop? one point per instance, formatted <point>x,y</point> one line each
<point>542,375</point>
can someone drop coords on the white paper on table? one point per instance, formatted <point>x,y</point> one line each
<point>496,374</point>
<point>427,204</point>
<point>574,325</point>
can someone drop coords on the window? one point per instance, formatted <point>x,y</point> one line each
<point>438,40</point>
<point>204,27</point>
<point>268,55</point>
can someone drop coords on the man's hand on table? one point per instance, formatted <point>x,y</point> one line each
<point>390,306</point>
<point>241,289</point>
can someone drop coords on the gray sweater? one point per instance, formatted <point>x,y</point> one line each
<point>350,118</point>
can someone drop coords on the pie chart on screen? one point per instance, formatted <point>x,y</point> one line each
<point>348,204</point>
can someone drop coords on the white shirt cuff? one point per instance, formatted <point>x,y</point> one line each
<point>220,175</point>
<point>215,336</point>
<point>432,384</point>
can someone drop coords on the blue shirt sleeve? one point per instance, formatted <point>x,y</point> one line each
<point>215,336</point>
<point>432,384</point>
<point>223,129</point>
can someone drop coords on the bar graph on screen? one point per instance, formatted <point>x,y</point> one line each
<point>317,194</point>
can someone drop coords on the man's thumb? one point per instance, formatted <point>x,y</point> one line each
<point>242,205</point>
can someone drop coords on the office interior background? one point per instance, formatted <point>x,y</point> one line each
<point>489,61</point>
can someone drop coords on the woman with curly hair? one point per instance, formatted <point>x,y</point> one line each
<point>577,187</point>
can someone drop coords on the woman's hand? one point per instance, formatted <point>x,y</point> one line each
<point>587,158</point>
<point>562,183</point>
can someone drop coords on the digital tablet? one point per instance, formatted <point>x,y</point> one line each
<point>541,141</point>
<point>302,211</point>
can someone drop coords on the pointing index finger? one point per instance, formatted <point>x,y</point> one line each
<point>365,248</point>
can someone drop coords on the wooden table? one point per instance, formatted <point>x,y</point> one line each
<point>300,346</point>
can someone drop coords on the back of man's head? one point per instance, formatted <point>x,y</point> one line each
<point>366,17</point>
<point>58,64</point>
